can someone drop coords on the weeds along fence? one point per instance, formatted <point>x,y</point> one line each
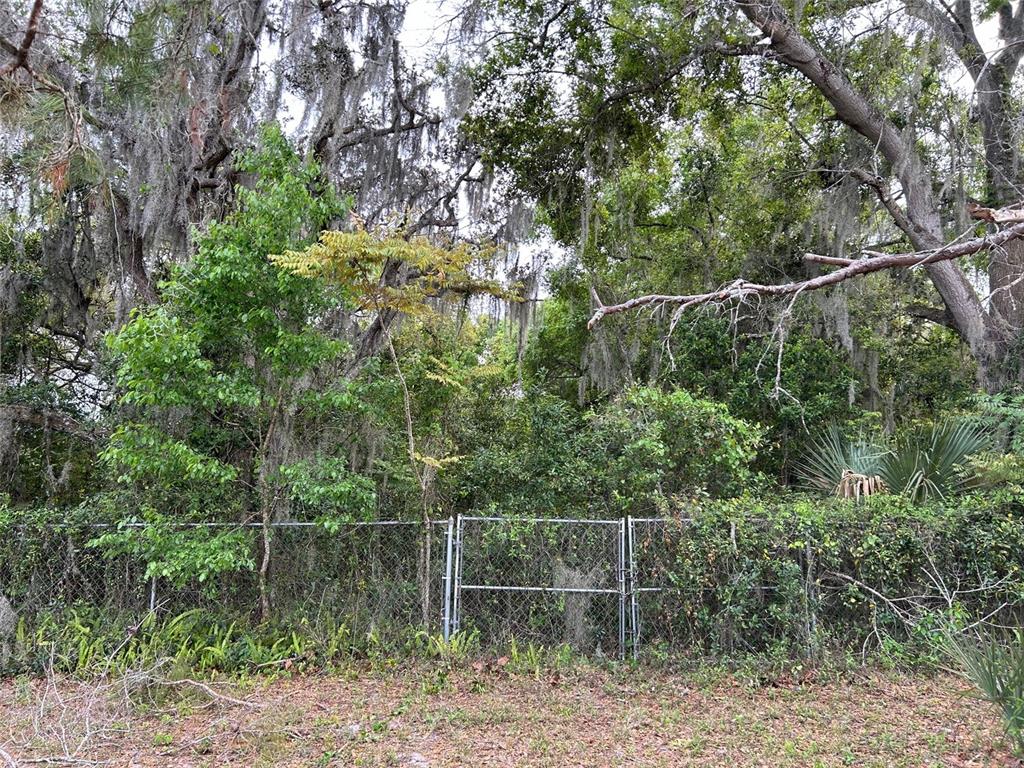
<point>368,575</point>
<point>711,586</point>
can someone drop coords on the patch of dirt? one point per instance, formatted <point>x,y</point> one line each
<point>422,717</point>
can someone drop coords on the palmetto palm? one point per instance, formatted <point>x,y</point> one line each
<point>994,662</point>
<point>926,463</point>
<point>930,462</point>
<point>835,464</point>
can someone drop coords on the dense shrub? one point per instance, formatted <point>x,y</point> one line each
<point>800,576</point>
<point>632,455</point>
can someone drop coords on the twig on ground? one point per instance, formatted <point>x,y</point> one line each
<point>212,693</point>
<point>8,760</point>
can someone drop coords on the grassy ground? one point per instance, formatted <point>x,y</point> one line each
<point>481,715</point>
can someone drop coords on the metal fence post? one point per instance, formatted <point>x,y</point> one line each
<point>621,567</point>
<point>446,619</point>
<point>456,609</point>
<point>634,602</point>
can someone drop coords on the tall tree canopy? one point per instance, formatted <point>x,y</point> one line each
<point>760,215</point>
<point>893,123</point>
<point>122,126</point>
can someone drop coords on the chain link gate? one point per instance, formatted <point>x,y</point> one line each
<point>654,600</point>
<point>525,578</point>
<point>539,579</point>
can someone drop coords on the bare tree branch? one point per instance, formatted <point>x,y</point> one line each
<point>881,189</point>
<point>212,693</point>
<point>855,110</point>
<point>740,289</point>
<point>937,315</point>
<point>46,419</point>
<point>21,54</point>
<point>835,261</point>
<point>920,217</point>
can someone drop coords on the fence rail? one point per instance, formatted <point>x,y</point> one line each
<point>604,587</point>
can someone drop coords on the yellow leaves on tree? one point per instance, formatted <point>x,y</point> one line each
<point>385,271</point>
<point>358,261</point>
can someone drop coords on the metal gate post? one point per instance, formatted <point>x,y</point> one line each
<point>447,615</point>
<point>634,603</point>
<point>621,569</point>
<point>456,609</point>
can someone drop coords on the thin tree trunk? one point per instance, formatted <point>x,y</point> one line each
<point>269,460</point>
<point>425,576</point>
<point>264,574</point>
<point>424,476</point>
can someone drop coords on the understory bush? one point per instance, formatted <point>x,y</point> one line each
<point>800,577</point>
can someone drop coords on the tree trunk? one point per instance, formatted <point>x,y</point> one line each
<point>272,454</point>
<point>972,323</point>
<point>987,338</point>
<point>1006,284</point>
<point>264,574</point>
<point>425,558</point>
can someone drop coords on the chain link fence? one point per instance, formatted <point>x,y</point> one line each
<point>45,569</point>
<point>374,576</point>
<point>718,587</point>
<point>633,586</point>
<point>698,591</point>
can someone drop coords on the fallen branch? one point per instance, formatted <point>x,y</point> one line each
<point>212,693</point>
<point>903,614</point>
<point>739,289</point>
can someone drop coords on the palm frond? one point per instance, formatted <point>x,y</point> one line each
<point>931,462</point>
<point>995,664</point>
